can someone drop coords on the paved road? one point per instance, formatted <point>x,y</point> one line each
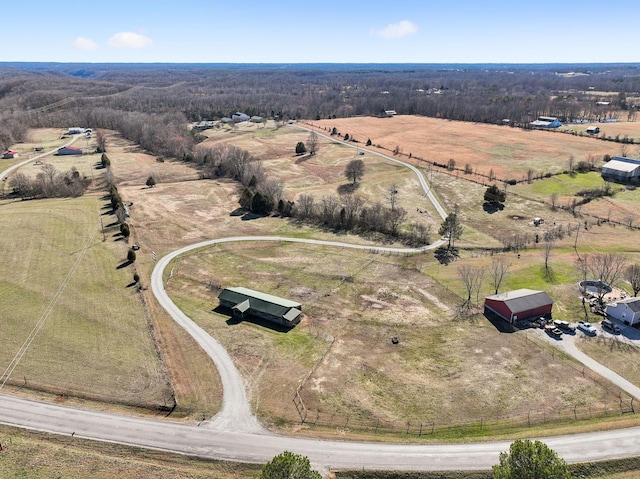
<point>235,434</point>
<point>252,447</point>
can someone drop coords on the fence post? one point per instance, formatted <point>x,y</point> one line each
<point>420,434</point>
<point>377,424</point>
<point>433,426</point>
<point>408,424</point>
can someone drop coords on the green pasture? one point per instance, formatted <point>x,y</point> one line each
<point>69,299</point>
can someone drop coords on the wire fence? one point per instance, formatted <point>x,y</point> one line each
<point>619,404</point>
<point>481,426</point>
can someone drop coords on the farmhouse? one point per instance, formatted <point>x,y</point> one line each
<point>74,130</point>
<point>621,168</point>
<point>519,304</point>
<point>546,122</point>
<point>247,302</point>
<point>10,154</point>
<point>69,150</point>
<point>592,130</point>
<point>625,310</point>
<point>390,112</point>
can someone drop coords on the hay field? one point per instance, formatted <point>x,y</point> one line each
<point>90,333</point>
<point>510,152</point>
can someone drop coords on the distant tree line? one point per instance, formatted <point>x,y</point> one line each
<point>127,99</point>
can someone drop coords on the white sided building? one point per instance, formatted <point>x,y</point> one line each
<point>626,311</point>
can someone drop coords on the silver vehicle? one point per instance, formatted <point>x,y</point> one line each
<point>587,328</point>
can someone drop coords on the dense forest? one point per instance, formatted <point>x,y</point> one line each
<point>152,104</point>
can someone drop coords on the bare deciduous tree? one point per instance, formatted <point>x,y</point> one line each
<point>471,277</point>
<point>312,143</point>
<point>608,268</point>
<point>548,246</point>
<point>632,275</point>
<point>392,196</point>
<point>497,271</point>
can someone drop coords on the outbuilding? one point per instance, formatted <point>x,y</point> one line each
<point>621,168</point>
<point>625,310</point>
<point>10,154</point>
<point>519,304</point>
<point>546,122</point>
<point>593,130</point>
<point>245,302</point>
<point>69,150</point>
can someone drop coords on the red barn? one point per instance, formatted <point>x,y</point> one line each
<point>519,304</point>
<point>10,154</point>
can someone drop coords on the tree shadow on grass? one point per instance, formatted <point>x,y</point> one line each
<point>446,255</point>
<point>303,158</point>
<point>348,188</point>
<point>492,207</point>
<point>124,264</point>
<point>132,284</point>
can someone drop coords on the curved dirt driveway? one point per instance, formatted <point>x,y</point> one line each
<point>235,434</point>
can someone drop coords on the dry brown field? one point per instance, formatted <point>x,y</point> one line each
<point>509,152</point>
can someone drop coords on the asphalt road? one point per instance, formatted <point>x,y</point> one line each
<point>235,434</point>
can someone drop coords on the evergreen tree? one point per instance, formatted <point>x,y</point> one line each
<point>530,460</point>
<point>300,148</point>
<point>495,195</point>
<point>289,466</point>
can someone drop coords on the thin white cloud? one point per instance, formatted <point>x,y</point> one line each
<point>82,43</point>
<point>397,30</point>
<point>129,40</point>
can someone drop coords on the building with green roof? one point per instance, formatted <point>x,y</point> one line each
<point>245,302</point>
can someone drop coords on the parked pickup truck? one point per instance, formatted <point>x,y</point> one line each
<point>587,328</point>
<point>565,326</point>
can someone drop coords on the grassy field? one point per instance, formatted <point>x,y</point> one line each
<point>341,353</point>
<point>354,303</point>
<point>67,302</point>
<point>42,456</point>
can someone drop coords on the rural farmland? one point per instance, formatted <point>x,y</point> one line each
<point>391,345</point>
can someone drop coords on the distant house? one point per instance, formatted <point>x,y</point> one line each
<point>390,112</point>
<point>256,119</point>
<point>625,310</point>
<point>10,154</point>
<point>69,150</point>
<point>74,130</point>
<point>621,169</point>
<point>240,117</point>
<point>519,304</point>
<point>247,302</point>
<point>546,122</point>
<point>592,130</point>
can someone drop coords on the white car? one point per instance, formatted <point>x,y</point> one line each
<point>587,328</point>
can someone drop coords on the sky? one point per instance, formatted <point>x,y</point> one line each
<point>322,31</point>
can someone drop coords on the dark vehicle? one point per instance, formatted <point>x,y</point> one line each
<point>565,326</point>
<point>610,326</point>
<point>553,331</point>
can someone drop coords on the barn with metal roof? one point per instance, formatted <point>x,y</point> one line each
<point>519,304</point>
<point>247,302</point>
